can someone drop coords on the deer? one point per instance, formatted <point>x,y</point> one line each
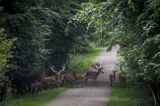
<point>68,78</point>
<point>79,77</point>
<point>35,87</point>
<point>122,79</point>
<point>94,75</point>
<point>53,80</point>
<point>112,77</point>
<point>48,82</point>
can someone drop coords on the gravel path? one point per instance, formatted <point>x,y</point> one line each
<point>90,95</point>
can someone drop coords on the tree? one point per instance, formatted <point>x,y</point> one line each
<point>5,54</point>
<point>40,29</point>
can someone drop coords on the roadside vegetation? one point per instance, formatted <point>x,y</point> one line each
<point>129,97</point>
<point>128,94</point>
<point>81,62</point>
<point>38,99</point>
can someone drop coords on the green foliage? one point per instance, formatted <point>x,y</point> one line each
<point>29,52</point>
<point>139,34</point>
<point>5,54</point>
<point>5,47</point>
<point>95,17</point>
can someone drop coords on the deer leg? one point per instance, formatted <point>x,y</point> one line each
<point>71,83</point>
<point>86,82</point>
<point>121,83</point>
<point>96,81</point>
<point>76,83</point>
<point>64,83</point>
<point>68,83</point>
<point>93,82</point>
<point>80,83</point>
<point>111,83</point>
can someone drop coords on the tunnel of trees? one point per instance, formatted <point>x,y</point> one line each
<point>36,33</point>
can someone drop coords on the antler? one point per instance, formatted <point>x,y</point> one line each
<point>63,68</point>
<point>59,71</point>
<point>94,65</point>
<point>53,69</point>
<point>97,66</point>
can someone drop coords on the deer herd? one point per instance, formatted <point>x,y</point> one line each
<point>66,78</point>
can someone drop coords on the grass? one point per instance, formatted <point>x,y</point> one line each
<point>129,97</point>
<point>35,100</point>
<point>82,62</point>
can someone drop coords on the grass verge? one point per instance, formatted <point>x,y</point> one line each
<point>35,100</point>
<point>82,62</point>
<point>129,97</point>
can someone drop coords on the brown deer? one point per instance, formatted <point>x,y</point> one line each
<point>94,75</point>
<point>112,77</point>
<point>68,78</point>
<point>122,79</point>
<point>36,87</point>
<point>79,78</point>
<point>54,80</point>
<point>48,82</point>
<point>114,74</point>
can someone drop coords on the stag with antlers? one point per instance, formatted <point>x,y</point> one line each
<point>94,75</point>
<point>54,80</point>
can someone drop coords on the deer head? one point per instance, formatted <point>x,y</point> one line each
<point>57,72</point>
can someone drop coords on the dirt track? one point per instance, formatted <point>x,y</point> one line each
<point>90,95</point>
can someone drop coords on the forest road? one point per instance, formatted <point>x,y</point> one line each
<point>91,95</point>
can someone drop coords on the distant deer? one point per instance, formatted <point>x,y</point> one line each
<point>112,77</point>
<point>54,80</point>
<point>114,74</point>
<point>79,78</point>
<point>36,87</point>
<point>94,75</point>
<point>48,82</point>
<point>122,79</point>
<point>68,78</point>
